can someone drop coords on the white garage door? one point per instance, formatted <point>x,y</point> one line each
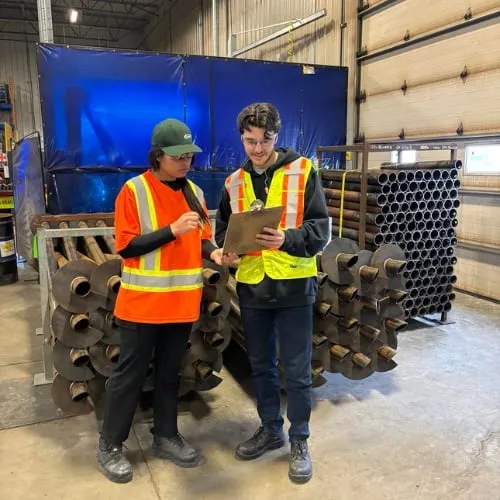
<point>419,88</point>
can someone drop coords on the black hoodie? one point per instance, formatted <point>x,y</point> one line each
<point>305,241</point>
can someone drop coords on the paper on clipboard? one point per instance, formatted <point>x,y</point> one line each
<point>243,228</point>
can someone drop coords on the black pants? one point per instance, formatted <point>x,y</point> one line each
<point>124,387</point>
<point>292,327</point>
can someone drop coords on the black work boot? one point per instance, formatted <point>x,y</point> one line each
<point>177,450</point>
<point>263,440</point>
<point>300,466</point>
<point>113,463</point>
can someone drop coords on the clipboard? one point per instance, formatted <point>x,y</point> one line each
<point>243,228</point>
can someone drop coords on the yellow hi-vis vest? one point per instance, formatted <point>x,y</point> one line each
<point>287,189</point>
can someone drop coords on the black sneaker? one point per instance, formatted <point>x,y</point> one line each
<point>263,440</point>
<point>300,466</point>
<point>177,450</point>
<point>113,463</point>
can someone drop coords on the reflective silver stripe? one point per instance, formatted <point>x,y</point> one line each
<point>142,208</point>
<point>233,187</point>
<point>235,204</point>
<point>198,192</point>
<point>162,283</point>
<point>292,205</point>
<point>295,166</point>
<point>144,218</point>
<point>292,196</point>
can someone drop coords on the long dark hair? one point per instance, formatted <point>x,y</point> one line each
<point>191,199</point>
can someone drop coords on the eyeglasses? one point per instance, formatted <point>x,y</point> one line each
<point>253,143</point>
<point>185,156</point>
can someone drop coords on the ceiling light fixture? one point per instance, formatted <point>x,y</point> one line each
<point>73,16</point>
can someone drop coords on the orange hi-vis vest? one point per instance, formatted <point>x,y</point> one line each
<point>287,189</point>
<point>165,285</point>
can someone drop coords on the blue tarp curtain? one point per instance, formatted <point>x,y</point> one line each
<point>29,191</point>
<point>99,108</point>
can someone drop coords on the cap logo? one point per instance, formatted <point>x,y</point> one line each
<point>187,136</point>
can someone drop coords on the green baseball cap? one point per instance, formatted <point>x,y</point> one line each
<point>174,138</point>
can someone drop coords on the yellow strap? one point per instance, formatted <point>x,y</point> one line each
<point>341,218</point>
<point>342,203</point>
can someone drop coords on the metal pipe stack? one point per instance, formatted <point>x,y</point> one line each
<point>85,276</point>
<point>413,206</point>
<point>358,310</point>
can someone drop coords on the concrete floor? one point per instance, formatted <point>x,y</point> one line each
<point>430,429</point>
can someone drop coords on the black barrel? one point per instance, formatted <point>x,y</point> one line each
<point>8,257</point>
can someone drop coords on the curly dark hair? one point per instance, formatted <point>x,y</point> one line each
<point>261,115</point>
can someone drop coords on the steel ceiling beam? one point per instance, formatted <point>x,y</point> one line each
<point>32,36</point>
<point>133,3</point>
<point>61,34</point>
<point>12,5</point>
<point>103,6</point>
<point>68,25</point>
<point>99,4</point>
<point>149,8</point>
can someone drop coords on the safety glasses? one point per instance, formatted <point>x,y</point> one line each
<point>253,143</point>
<point>185,156</point>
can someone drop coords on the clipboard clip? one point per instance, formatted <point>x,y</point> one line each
<point>256,205</point>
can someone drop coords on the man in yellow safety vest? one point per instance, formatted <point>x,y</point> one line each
<point>277,286</point>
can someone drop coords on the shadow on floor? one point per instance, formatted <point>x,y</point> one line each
<point>336,388</point>
<point>423,322</point>
<point>340,390</point>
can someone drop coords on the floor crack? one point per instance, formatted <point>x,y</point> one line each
<point>482,446</point>
<point>155,486</point>
<point>483,443</point>
<point>478,454</point>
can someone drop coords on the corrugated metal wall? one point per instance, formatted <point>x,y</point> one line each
<point>187,28</point>
<point>317,43</point>
<point>180,28</point>
<point>18,61</point>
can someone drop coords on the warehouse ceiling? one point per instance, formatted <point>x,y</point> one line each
<point>103,23</point>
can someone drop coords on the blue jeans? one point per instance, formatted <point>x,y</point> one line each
<point>293,329</point>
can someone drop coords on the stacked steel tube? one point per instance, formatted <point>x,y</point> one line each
<point>85,277</point>
<point>413,206</point>
<point>357,312</point>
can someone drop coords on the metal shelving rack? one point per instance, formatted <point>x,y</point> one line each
<point>44,235</point>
